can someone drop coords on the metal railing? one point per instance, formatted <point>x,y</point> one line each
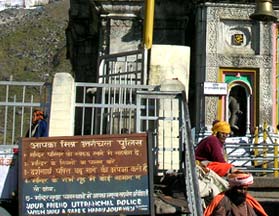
<point>106,108</point>
<point>17,102</point>
<point>191,179</point>
<point>123,68</point>
<point>257,154</point>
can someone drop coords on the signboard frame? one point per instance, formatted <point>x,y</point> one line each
<point>215,88</point>
<point>128,193</point>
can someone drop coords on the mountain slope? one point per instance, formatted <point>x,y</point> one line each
<point>33,42</point>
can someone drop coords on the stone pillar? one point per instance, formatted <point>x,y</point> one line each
<point>169,68</point>
<point>169,62</point>
<point>168,127</point>
<point>61,122</point>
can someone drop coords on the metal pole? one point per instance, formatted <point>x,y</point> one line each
<point>148,23</point>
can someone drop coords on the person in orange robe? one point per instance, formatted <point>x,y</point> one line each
<point>236,201</point>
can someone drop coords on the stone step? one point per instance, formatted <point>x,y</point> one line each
<point>265,189</point>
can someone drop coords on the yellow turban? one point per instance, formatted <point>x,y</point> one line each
<point>221,126</point>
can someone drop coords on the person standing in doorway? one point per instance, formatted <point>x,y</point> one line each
<point>235,113</point>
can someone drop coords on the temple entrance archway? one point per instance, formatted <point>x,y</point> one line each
<point>239,107</point>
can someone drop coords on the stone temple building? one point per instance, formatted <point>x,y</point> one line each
<point>233,60</point>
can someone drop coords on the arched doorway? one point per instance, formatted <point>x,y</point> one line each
<point>243,84</point>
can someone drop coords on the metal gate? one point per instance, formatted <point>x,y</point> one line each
<point>17,102</point>
<point>123,68</point>
<point>115,109</point>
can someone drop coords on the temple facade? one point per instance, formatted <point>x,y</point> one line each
<point>242,53</point>
<point>233,59</point>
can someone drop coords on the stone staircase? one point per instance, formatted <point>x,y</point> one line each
<point>266,191</point>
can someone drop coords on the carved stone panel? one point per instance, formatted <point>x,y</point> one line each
<point>234,41</point>
<point>236,37</point>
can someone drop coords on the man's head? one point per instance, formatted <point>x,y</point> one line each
<point>221,129</point>
<point>239,183</point>
<point>37,115</point>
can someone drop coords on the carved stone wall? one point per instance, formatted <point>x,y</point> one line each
<point>125,35</point>
<point>227,38</point>
<point>122,22</point>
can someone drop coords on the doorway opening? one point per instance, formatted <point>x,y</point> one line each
<point>237,107</point>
